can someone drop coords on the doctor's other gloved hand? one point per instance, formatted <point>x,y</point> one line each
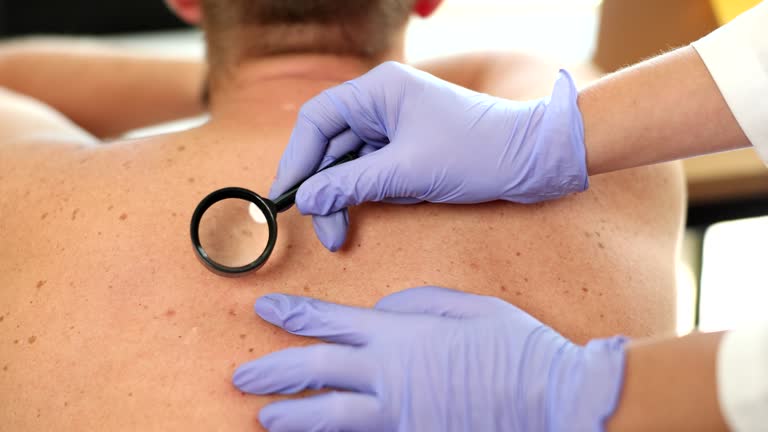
<point>424,139</point>
<point>431,359</point>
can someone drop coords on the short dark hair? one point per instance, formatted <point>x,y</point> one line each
<point>240,29</point>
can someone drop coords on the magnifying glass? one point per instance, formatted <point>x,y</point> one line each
<point>234,230</point>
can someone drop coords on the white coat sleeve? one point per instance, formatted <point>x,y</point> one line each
<point>737,58</point>
<point>742,379</point>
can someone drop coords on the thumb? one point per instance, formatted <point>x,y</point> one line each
<point>443,302</point>
<point>368,178</point>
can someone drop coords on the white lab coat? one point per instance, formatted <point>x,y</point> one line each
<point>737,57</point>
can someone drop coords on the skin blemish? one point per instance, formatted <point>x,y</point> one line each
<point>250,349</point>
<point>242,393</point>
<point>43,216</point>
<point>232,312</point>
<point>74,213</point>
<point>32,339</point>
<point>584,290</point>
<point>41,283</point>
<point>306,288</point>
<point>110,208</point>
<point>127,164</point>
<point>242,336</point>
<point>181,148</point>
<point>191,179</point>
<point>16,341</point>
<point>124,216</point>
<point>2,318</point>
<point>130,394</point>
<point>503,288</point>
<point>601,245</point>
<point>526,280</point>
<point>602,316</point>
<point>170,313</point>
<point>5,368</point>
<point>517,254</point>
<point>518,293</point>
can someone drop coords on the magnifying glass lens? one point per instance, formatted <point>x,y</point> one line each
<point>233,232</point>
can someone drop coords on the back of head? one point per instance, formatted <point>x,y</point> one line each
<point>237,30</point>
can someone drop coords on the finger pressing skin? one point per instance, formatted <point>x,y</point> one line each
<point>330,412</point>
<point>315,318</point>
<point>307,368</point>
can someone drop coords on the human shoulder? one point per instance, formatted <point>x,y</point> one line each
<point>505,74</point>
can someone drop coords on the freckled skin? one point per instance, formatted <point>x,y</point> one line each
<point>113,321</point>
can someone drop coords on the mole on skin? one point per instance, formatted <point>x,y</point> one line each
<point>124,216</point>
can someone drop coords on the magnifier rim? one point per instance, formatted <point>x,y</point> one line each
<point>214,197</point>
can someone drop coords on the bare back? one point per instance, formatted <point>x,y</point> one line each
<point>108,322</point>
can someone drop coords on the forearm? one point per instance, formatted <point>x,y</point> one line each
<point>105,91</point>
<point>662,109</point>
<point>671,385</point>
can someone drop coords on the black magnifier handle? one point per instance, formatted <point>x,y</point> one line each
<point>286,200</point>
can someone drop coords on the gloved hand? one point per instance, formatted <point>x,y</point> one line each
<point>431,359</point>
<point>424,139</point>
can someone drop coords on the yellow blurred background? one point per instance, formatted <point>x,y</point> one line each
<point>726,10</point>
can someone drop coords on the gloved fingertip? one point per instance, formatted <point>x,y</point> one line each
<point>332,229</point>
<point>327,160</point>
<point>273,193</point>
<point>241,377</point>
<point>270,308</point>
<point>269,415</point>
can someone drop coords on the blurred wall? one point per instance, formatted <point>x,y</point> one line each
<point>634,30</point>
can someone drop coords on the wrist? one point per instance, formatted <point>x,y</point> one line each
<point>564,129</point>
<point>585,385</point>
<point>554,142</point>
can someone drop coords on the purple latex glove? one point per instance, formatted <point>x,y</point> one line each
<point>431,359</point>
<point>424,139</point>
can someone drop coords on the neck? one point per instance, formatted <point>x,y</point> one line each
<point>282,83</point>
